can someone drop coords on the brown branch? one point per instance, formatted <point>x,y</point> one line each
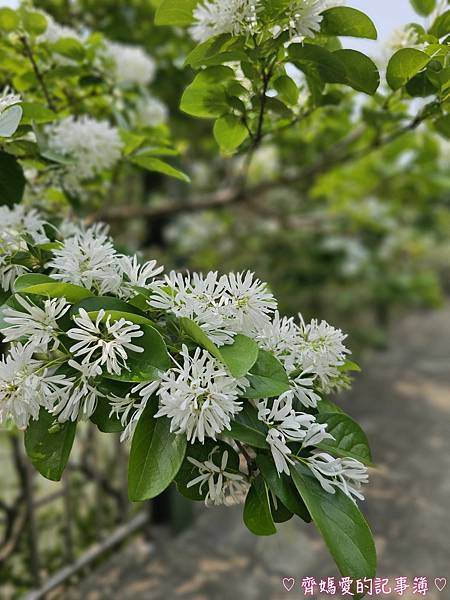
<point>29,53</point>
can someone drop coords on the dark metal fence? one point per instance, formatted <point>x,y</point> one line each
<point>104,471</point>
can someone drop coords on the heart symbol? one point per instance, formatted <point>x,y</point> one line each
<point>288,583</point>
<point>440,583</point>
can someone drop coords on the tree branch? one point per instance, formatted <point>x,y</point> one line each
<point>29,53</point>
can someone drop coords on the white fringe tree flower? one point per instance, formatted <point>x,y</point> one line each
<point>132,64</point>
<point>213,17</point>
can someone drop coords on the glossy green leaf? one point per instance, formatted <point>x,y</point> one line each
<point>343,20</point>
<point>34,22</point>
<point>361,72</point>
<point>49,443</point>
<point>206,96</point>
<point>404,65</point>
<point>247,428</point>
<point>341,524</point>
<point>106,422</point>
<point>267,378</point>
<point>257,513</point>
<point>423,7</point>
<point>156,455</point>
<point>9,19</point>
<point>96,303</point>
<point>349,439</point>
<point>441,25</point>
<point>12,180</point>
<point>230,132</point>
<point>69,47</point>
<point>150,163</point>
<point>175,12</point>
<point>240,356</point>
<point>287,89</point>
<point>283,487</point>
<point>442,125</point>
<point>34,112</point>
<point>35,284</point>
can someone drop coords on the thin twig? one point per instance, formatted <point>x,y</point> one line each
<point>29,53</point>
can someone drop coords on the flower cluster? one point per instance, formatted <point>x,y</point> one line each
<point>98,316</point>
<point>221,305</point>
<point>302,18</point>
<point>132,64</point>
<point>90,147</point>
<point>17,225</point>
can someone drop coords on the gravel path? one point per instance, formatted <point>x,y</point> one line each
<point>403,401</point>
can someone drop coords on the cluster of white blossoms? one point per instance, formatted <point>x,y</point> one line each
<point>302,18</point>
<point>150,112</point>
<point>17,225</point>
<point>213,17</point>
<point>132,64</point>
<point>55,31</point>
<point>63,357</point>
<point>222,305</point>
<point>346,474</point>
<point>224,487</point>
<point>90,147</point>
<point>8,98</point>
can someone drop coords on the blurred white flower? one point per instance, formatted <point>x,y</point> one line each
<point>55,31</point>
<point>132,64</point>
<point>38,325</point>
<point>213,17</point>
<point>404,37</point>
<point>199,396</point>
<point>88,260</point>
<point>151,112</point>
<point>104,342</point>
<point>8,98</point>
<point>346,474</point>
<point>26,385</point>
<point>224,487</point>
<point>91,146</point>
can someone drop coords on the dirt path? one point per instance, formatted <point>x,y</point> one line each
<point>403,401</point>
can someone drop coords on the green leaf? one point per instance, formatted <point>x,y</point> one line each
<point>34,112</point>
<point>361,72</point>
<point>48,444</point>
<point>441,25</point>
<point>404,65</point>
<point>175,12</point>
<point>34,22</point>
<point>442,125</point>
<point>326,406</point>
<point>283,487</point>
<point>247,428</point>
<point>156,455</point>
<point>12,180</point>
<point>70,47</point>
<point>9,19</point>
<point>9,120</point>
<point>240,356</point>
<point>420,86</point>
<point>35,284</point>
<point>145,366</point>
<point>230,132</point>
<point>423,7</point>
<point>101,417</point>
<point>267,378</point>
<point>206,96</point>
<point>118,314</point>
<point>341,524</point>
<point>257,513</point>
<point>287,89</point>
<point>350,440</point>
<point>155,164</point>
<point>96,303</point>
<point>315,61</point>
<point>202,453</point>
<point>343,20</point>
